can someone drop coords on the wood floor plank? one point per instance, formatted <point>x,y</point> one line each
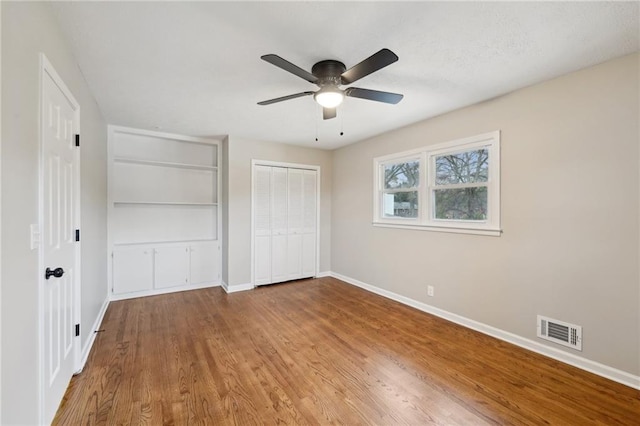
<point>318,352</point>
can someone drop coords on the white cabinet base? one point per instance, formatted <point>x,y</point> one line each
<point>151,269</point>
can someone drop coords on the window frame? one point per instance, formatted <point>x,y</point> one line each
<point>426,187</point>
<point>382,190</point>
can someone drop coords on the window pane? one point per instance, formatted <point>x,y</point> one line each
<point>402,175</point>
<point>465,167</point>
<point>400,204</point>
<point>461,204</point>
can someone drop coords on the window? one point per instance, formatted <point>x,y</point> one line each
<point>454,186</point>
<point>400,189</point>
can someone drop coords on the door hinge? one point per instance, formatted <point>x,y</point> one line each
<point>77,235</point>
<point>77,330</point>
<point>77,139</point>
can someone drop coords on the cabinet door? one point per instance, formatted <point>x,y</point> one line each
<point>204,263</point>
<point>171,266</point>
<point>132,270</point>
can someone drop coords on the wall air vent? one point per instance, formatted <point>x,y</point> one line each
<point>560,332</point>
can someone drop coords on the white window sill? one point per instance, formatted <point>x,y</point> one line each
<point>450,229</point>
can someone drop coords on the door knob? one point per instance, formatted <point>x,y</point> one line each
<point>58,272</point>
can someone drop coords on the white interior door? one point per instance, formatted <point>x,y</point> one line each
<point>60,117</point>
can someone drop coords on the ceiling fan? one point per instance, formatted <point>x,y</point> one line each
<point>329,75</point>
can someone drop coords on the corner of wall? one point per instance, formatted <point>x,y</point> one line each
<point>224,199</point>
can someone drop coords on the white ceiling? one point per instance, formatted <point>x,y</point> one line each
<point>195,68</point>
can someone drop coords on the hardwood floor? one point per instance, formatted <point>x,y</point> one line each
<point>320,352</point>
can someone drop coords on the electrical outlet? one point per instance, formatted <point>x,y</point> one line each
<point>430,290</point>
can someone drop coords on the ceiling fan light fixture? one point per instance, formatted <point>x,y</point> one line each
<point>329,97</point>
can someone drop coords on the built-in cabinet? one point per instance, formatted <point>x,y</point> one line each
<point>285,218</point>
<point>164,215</point>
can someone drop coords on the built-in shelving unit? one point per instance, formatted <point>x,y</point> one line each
<point>164,217</point>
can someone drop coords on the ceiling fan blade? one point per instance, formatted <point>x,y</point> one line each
<point>288,66</point>
<point>328,113</point>
<point>372,64</point>
<point>374,95</point>
<point>285,98</point>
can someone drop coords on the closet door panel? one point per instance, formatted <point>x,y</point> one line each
<point>310,221</point>
<point>295,193</point>
<point>279,224</point>
<point>310,197</point>
<point>294,257</point>
<point>279,258</point>
<point>262,272</point>
<point>262,225</point>
<point>309,255</point>
<point>262,200</point>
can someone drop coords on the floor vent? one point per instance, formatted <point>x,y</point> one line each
<point>560,332</point>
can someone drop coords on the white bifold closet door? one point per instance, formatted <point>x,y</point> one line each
<point>285,222</point>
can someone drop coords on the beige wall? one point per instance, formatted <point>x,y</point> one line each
<point>570,213</point>
<point>240,154</point>
<point>27,29</point>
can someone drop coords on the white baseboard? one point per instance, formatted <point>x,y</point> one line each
<point>235,288</point>
<point>323,274</point>
<point>605,371</point>
<point>157,292</point>
<point>86,349</point>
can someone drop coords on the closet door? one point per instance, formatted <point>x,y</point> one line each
<point>309,223</point>
<point>295,216</point>
<point>279,224</point>
<point>262,225</point>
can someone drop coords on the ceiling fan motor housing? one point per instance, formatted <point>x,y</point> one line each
<point>328,72</point>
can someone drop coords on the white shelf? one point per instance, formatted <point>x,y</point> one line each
<point>170,242</point>
<point>164,194</point>
<point>163,163</point>
<point>162,203</point>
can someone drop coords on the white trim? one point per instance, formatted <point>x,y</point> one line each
<point>594,367</point>
<point>1,345</point>
<point>47,68</point>
<point>156,292</point>
<point>317,169</point>
<point>489,232</point>
<point>323,274</point>
<point>238,287</point>
<point>163,135</point>
<point>86,350</point>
